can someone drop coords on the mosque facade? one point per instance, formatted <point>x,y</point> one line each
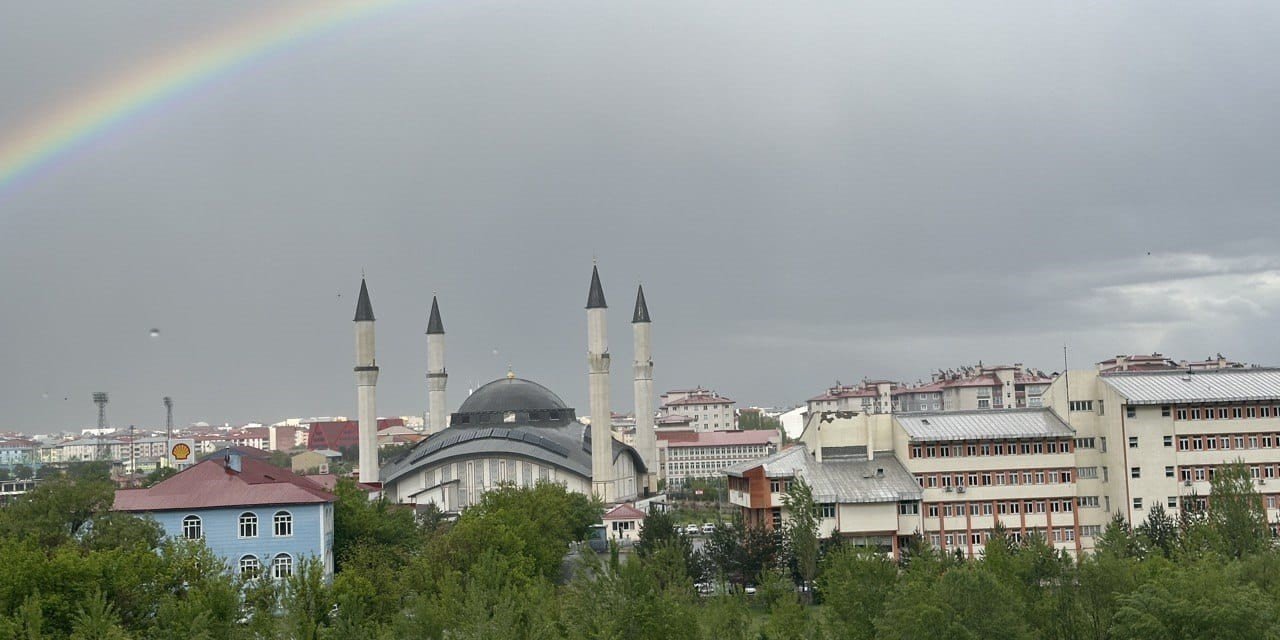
<point>514,431</point>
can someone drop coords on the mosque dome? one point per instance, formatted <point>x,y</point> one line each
<point>513,400</point>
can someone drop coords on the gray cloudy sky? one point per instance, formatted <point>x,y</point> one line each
<point>808,190</point>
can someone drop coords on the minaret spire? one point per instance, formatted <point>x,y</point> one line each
<point>646,436</point>
<point>437,376</point>
<point>602,474</point>
<point>595,297</point>
<point>366,388</point>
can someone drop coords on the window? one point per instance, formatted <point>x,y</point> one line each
<point>282,566</point>
<point>1087,473</point>
<point>1182,414</point>
<point>1089,502</point>
<point>1085,443</point>
<point>1133,442</point>
<point>1164,411</point>
<point>984,403</point>
<point>192,529</point>
<point>283,524</point>
<point>908,508</point>
<point>933,511</point>
<point>1091,530</point>
<point>827,510</point>
<point>1173,501</point>
<point>1135,472</point>
<point>248,525</point>
<point>1168,472</point>
<point>1130,411</point>
<point>249,565</point>
<point>1137,503</point>
<point>1081,405</point>
<point>1168,441</point>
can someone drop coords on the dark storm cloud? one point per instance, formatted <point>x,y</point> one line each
<point>807,190</point>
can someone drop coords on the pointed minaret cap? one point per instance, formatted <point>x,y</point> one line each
<point>642,310</point>
<point>364,308</point>
<point>595,298</point>
<point>434,325</point>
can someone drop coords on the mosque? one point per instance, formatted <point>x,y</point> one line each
<point>512,430</point>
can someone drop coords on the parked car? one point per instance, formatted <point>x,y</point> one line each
<point>691,529</point>
<point>749,590</point>
<point>708,528</point>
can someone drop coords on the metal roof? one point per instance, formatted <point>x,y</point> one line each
<point>364,308</point>
<point>841,481</point>
<point>983,424</point>
<point>1217,385</point>
<point>434,324</point>
<point>641,313</point>
<point>595,297</point>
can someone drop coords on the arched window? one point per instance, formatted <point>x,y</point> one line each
<point>249,565</point>
<point>282,566</point>
<point>283,524</point>
<point>248,525</point>
<point>192,529</point>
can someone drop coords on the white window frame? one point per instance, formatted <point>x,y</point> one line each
<point>282,520</point>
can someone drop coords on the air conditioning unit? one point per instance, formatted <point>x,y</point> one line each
<point>948,489</point>
<point>960,489</point>
<point>1186,483</point>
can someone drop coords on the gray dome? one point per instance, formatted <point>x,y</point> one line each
<point>512,400</point>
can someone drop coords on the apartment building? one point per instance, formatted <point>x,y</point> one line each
<point>705,409</point>
<point>977,387</point>
<point>705,454</point>
<point>1134,432</point>
<point>1157,436</point>
<point>947,476</point>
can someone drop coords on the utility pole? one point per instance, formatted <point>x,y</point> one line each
<point>168,429</point>
<point>133,458</point>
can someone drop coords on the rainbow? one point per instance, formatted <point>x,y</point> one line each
<point>72,125</point>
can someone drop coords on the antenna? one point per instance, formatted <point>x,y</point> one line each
<point>100,399</point>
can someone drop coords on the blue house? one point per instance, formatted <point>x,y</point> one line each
<point>261,519</point>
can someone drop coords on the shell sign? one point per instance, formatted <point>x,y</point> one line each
<point>181,452</point>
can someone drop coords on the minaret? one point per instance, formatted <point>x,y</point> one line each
<point>646,437</point>
<point>437,377</point>
<point>602,480</point>
<point>366,388</point>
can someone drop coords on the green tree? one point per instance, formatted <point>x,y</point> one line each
<point>118,530</point>
<point>725,617</point>
<point>56,511</point>
<point>801,531</point>
<point>306,600</point>
<point>1118,539</point>
<point>1236,512</point>
<point>856,582</point>
<point>359,523</point>
<point>97,620</point>
<point>160,474</point>
<point>1196,601</point>
<point>1159,532</point>
<point>23,472</point>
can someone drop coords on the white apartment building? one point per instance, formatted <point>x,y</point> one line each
<point>1106,442</point>
<point>701,454</point>
<point>705,409</point>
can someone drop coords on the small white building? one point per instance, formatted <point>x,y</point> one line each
<point>624,523</point>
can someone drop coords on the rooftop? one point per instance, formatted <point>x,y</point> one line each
<point>983,424</point>
<point>1213,385</point>
<point>718,438</point>
<point>624,512</point>
<point>841,481</point>
<point>213,484</point>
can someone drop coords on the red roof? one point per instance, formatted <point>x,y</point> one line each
<point>342,434</point>
<point>705,399</point>
<point>719,438</point>
<point>212,484</point>
<point>624,512</point>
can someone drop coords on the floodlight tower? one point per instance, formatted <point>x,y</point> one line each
<point>100,399</point>
<point>168,428</point>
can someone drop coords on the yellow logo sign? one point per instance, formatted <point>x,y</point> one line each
<point>181,451</point>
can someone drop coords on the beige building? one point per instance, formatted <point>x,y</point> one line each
<point>963,389</point>
<point>1120,438</point>
<point>1146,437</point>
<point>705,409</point>
<point>705,454</point>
